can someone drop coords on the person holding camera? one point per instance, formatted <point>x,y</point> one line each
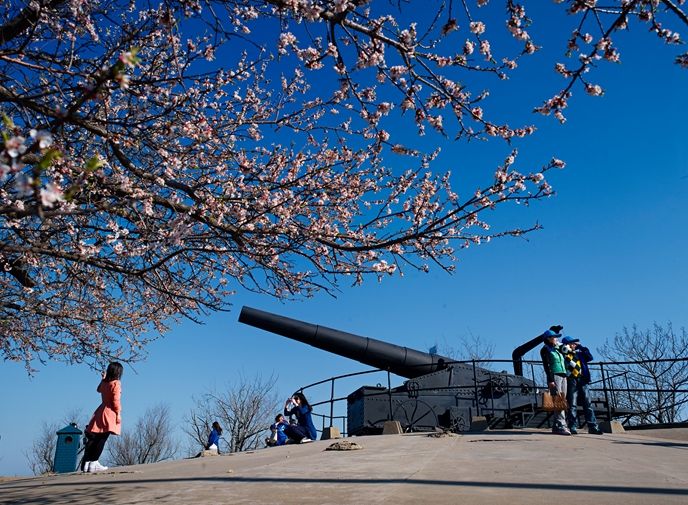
<point>576,359</point>
<point>305,431</point>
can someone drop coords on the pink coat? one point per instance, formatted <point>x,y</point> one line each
<point>105,417</point>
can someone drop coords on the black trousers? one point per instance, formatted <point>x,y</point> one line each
<point>95,443</point>
<point>296,432</point>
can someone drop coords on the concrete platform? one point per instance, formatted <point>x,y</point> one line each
<point>506,467</point>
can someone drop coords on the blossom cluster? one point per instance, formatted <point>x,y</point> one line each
<point>607,20</point>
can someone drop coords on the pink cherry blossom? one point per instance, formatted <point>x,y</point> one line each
<point>129,59</point>
<point>5,170</point>
<point>593,90</point>
<point>468,47</point>
<point>477,27</point>
<point>50,195</point>
<point>15,147</point>
<point>43,138</point>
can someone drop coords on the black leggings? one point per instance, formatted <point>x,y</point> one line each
<point>95,443</point>
<point>297,433</point>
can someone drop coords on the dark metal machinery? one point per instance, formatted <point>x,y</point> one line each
<point>439,392</point>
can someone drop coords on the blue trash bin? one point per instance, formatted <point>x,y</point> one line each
<point>67,449</point>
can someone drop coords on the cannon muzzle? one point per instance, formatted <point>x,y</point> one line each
<point>399,360</point>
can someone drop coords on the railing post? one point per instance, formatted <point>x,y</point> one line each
<point>606,394</point>
<point>508,394</point>
<point>535,388</point>
<point>332,403</point>
<point>475,386</point>
<point>389,393</point>
<point>628,387</point>
<point>491,389</point>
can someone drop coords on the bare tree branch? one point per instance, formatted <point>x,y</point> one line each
<point>663,402</point>
<point>150,440</point>
<point>245,410</point>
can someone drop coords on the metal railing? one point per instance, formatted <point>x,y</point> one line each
<point>614,398</point>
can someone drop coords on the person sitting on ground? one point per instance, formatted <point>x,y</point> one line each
<point>277,437</point>
<point>576,358</point>
<point>555,369</point>
<point>305,431</point>
<point>214,438</point>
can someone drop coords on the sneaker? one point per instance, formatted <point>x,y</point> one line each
<point>564,431</point>
<point>305,440</point>
<point>95,466</point>
<point>87,465</point>
<point>574,431</point>
<point>595,431</point>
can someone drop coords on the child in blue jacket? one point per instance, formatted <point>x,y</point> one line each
<point>278,429</point>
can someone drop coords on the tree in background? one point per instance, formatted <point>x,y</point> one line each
<point>472,347</point>
<point>149,441</point>
<point>245,410</point>
<point>658,372</point>
<point>141,182</point>
<point>41,456</point>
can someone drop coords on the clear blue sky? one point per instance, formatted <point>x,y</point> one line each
<point>612,253</point>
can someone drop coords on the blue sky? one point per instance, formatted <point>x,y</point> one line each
<point>612,253</point>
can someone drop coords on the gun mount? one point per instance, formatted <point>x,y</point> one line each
<point>439,392</point>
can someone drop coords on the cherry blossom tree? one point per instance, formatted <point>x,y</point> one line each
<point>159,156</point>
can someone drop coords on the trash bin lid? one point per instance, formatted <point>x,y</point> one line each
<point>70,430</point>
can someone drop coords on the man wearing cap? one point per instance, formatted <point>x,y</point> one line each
<point>576,358</point>
<point>555,368</point>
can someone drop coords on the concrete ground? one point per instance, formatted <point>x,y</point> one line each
<point>505,467</point>
<point>670,433</point>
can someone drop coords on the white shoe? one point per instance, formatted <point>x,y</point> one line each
<point>96,467</point>
<point>87,465</point>
<point>305,440</point>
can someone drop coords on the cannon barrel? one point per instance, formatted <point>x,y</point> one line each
<point>399,360</point>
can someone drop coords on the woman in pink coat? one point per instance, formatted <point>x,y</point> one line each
<point>105,420</point>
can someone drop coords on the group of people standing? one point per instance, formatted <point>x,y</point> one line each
<point>566,367</point>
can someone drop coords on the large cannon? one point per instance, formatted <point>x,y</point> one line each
<point>439,392</point>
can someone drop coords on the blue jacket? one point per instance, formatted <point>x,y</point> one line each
<point>303,415</point>
<point>214,438</point>
<point>281,437</point>
<point>584,355</point>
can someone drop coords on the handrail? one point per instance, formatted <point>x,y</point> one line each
<point>609,388</point>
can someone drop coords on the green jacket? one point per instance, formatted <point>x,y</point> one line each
<point>553,362</point>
